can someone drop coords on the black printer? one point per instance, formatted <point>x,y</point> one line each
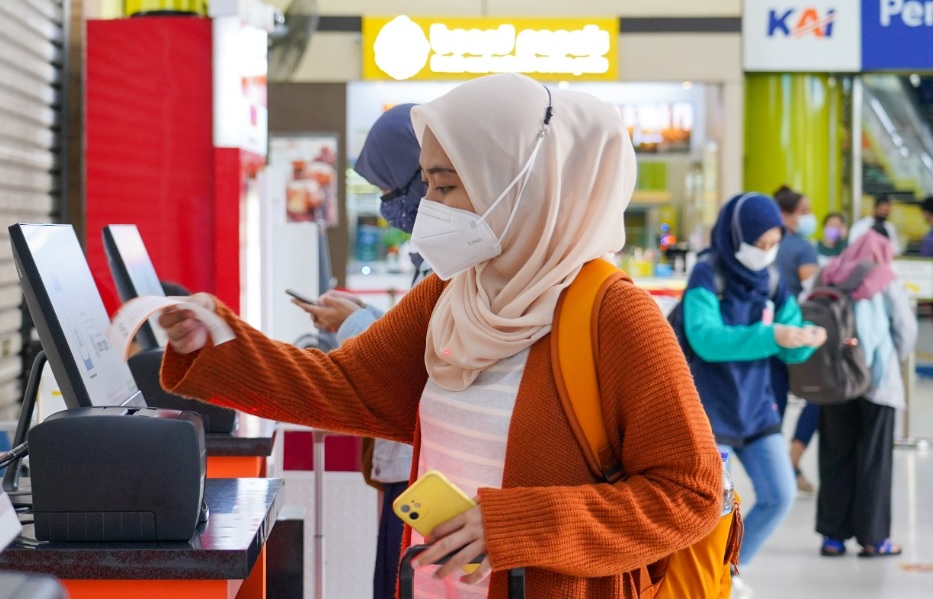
<point>118,474</point>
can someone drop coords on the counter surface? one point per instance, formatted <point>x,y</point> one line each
<point>242,513</point>
<point>252,438</point>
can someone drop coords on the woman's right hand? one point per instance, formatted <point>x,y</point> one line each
<point>333,308</point>
<point>791,337</point>
<point>185,332</point>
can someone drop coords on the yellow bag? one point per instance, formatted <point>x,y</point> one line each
<point>700,571</point>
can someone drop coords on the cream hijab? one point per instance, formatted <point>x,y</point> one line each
<point>570,213</point>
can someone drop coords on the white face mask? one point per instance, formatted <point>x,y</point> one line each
<point>754,258</point>
<point>806,225</point>
<point>452,240</point>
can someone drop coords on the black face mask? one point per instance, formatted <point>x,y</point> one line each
<point>399,209</point>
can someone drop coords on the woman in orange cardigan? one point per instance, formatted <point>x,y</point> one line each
<point>525,185</point>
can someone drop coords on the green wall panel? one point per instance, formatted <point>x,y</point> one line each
<point>793,125</point>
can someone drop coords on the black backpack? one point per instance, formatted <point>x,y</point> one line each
<point>837,372</point>
<point>676,316</point>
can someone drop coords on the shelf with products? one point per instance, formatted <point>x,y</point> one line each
<point>376,247</point>
<point>675,129</point>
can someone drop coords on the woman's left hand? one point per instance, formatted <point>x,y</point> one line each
<point>463,534</point>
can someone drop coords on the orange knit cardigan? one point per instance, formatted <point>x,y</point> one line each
<point>577,538</point>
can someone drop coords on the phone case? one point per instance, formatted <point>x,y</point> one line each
<point>429,501</point>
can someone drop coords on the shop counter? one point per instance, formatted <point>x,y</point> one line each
<point>662,286</point>
<point>242,453</point>
<point>666,291</point>
<point>225,559</point>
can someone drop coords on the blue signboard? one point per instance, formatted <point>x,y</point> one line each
<point>897,35</point>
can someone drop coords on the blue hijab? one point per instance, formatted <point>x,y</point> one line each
<point>389,160</point>
<point>745,218</point>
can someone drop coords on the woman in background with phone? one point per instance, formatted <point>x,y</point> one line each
<point>388,160</point>
<point>525,184</point>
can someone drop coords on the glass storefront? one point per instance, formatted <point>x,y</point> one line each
<point>897,149</point>
<point>673,127</point>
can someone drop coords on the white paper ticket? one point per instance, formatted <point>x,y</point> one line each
<point>9,521</point>
<point>134,313</point>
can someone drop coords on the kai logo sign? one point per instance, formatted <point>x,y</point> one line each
<point>809,36</point>
<point>799,23</point>
<point>405,48</point>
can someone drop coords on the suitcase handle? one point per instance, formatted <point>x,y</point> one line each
<point>406,574</point>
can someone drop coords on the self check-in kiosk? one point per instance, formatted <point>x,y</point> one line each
<point>135,276</point>
<point>109,468</point>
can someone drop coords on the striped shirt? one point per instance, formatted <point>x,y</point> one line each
<point>463,435</point>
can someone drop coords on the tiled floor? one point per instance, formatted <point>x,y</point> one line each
<point>790,566</point>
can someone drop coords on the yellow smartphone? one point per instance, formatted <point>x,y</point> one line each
<point>432,500</point>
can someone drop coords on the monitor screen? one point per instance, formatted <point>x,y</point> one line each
<point>133,274</point>
<point>70,317</point>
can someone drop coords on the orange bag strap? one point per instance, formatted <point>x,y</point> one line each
<point>574,347</point>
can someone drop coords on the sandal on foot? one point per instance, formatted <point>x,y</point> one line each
<point>883,549</point>
<point>803,484</point>
<point>832,548</point>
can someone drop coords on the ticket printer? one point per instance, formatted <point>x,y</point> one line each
<point>117,474</point>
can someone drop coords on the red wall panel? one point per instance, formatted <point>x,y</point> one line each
<point>149,137</point>
<point>341,453</point>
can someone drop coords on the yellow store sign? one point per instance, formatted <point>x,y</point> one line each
<point>434,48</point>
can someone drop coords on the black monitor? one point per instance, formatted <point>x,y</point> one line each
<point>70,318</point>
<point>133,274</point>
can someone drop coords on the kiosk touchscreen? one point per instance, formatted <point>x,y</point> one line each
<point>133,274</point>
<point>70,318</point>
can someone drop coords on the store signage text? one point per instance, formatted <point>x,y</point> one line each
<point>911,13</point>
<point>527,51</point>
<point>801,23</point>
<point>419,48</point>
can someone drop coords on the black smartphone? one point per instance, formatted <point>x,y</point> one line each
<point>302,298</point>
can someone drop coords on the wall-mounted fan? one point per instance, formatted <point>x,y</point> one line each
<point>287,44</point>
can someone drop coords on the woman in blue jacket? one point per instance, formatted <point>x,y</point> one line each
<point>737,315</point>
